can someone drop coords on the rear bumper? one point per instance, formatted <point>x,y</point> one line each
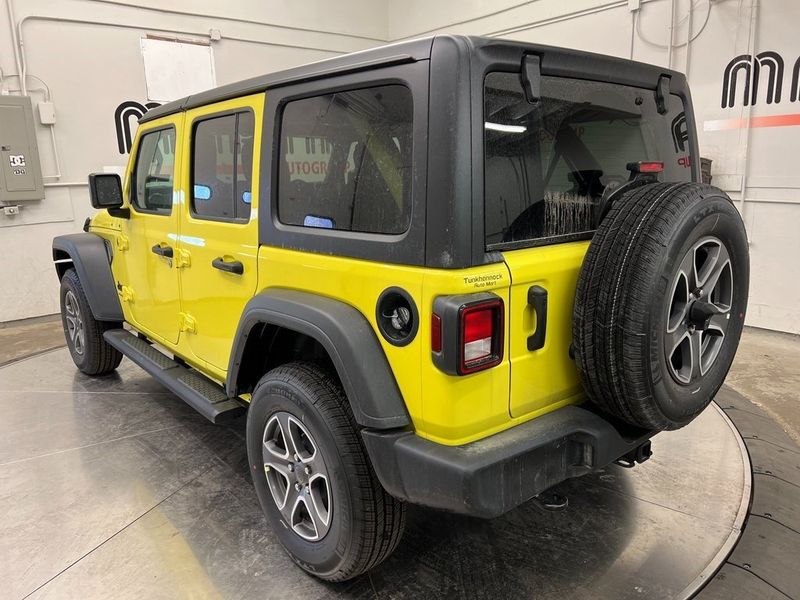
<point>491,476</point>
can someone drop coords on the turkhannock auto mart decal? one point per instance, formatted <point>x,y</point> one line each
<point>482,281</point>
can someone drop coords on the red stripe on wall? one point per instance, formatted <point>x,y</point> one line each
<point>771,121</point>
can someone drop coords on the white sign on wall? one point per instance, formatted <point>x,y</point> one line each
<point>175,69</point>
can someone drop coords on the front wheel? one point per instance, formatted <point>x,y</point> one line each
<point>84,334</point>
<point>313,478</point>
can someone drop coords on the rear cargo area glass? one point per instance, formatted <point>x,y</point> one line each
<point>548,163</point>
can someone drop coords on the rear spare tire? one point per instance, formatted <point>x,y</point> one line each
<point>660,303</point>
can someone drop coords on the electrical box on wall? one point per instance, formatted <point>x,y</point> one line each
<point>20,170</point>
<point>47,113</point>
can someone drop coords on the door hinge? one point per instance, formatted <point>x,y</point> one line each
<point>126,294</point>
<point>183,259</point>
<point>187,323</point>
<point>122,243</point>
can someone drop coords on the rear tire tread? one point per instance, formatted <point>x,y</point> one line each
<point>609,319</point>
<point>383,516</point>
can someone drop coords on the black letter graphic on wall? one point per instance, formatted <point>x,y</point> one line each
<point>122,123</point>
<point>774,62</point>
<point>796,80</point>
<point>741,62</point>
<point>752,68</point>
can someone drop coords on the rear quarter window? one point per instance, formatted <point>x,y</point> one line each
<point>345,161</point>
<point>547,164</point>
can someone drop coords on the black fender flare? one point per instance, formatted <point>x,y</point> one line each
<point>91,257</point>
<point>349,340</point>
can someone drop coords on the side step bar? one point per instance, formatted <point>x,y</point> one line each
<point>205,396</point>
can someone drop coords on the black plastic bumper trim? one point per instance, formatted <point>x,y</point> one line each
<point>491,476</point>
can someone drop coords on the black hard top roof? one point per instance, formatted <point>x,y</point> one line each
<point>573,63</point>
<point>401,52</point>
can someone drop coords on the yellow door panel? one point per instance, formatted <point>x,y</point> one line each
<point>546,378</point>
<point>218,243</point>
<point>148,281</point>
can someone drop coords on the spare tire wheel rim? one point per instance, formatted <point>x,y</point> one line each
<point>699,309</point>
<point>297,476</point>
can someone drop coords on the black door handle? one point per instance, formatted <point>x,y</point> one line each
<point>537,298</point>
<point>233,266</point>
<point>165,251</point>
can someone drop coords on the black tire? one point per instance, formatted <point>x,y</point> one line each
<point>646,350</point>
<point>365,523</point>
<point>92,355</point>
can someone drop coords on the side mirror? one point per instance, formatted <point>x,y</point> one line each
<point>105,191</point>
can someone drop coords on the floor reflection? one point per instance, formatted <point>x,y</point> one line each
<point>113,488</point>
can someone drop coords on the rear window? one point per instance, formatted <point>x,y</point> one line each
<point>222,167</point>
<point>345,161</point>
<point>548,164</point>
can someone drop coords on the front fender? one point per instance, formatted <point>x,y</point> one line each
<point>348,339</point>
<point>92,260</point>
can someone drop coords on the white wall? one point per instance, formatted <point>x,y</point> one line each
<point>759,165</point>
<point>91,68</point>
<point>88,54</point>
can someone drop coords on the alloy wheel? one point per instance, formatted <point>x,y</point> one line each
<point>297,476</point>
<point>75,328</point>
<point>699,310</point>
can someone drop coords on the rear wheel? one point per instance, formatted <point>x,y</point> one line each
<point>660,303</point>
<point>84,334</point>
<point>312,475</point>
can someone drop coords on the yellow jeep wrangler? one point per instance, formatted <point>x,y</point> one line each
<point>452,271</point>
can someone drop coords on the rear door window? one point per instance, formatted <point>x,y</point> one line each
<point>345,161</point>
<point>222,167</point>
<point>154,172</point>
<point>547,164</point>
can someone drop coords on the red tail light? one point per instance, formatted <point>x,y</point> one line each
<point>467,332</point>
<point>436,333</point>
<point>480,336</point>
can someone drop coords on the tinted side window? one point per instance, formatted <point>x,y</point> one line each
<point>222,167</point>
<point>154,172</point>
<point>345,161</point>
<point>548,164</point>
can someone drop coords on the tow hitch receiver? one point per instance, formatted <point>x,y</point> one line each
<point>636,456</point>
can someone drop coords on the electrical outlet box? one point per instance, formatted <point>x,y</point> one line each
<point>47,113</point>
<point>20,170</point>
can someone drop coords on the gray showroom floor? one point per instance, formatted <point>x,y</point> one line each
<point>113,487</point>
